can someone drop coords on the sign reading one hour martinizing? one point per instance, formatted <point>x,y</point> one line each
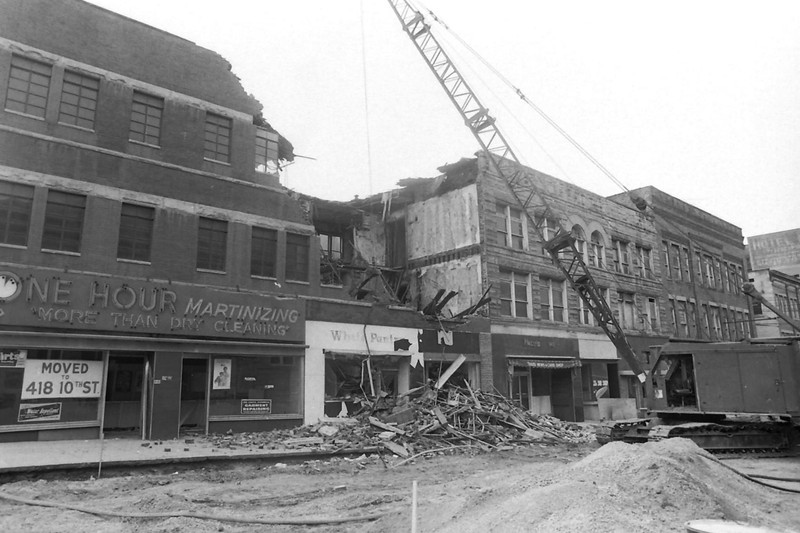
<point>84,302</point>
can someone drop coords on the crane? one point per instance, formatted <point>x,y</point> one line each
<point>750,290</point>
<point>561,247</point>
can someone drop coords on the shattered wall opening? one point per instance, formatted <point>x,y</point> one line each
<point>355,381</point>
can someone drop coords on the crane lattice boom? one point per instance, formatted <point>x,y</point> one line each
<point>561,247</point>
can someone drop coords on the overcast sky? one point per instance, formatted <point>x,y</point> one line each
<point>700,99</point>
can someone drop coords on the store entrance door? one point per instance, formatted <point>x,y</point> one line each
<point>194,390</point>
<point>126,395</point>
<point>521,388</point>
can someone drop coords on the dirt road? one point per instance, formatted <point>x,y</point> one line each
<point>541,488</point>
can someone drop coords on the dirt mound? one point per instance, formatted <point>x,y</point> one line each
<point>651,487</point>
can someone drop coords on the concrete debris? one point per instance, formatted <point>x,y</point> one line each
<point>421,420</point>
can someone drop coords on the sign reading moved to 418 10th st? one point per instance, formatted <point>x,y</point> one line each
<point>76,301</point>
<point>51,378</point>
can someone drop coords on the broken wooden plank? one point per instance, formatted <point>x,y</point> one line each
<point>472,393</point>
<point>377,423</point>
<point>439,416</point>
<point>395,448</point>
<point>450,371</point>
<point>304,441</point>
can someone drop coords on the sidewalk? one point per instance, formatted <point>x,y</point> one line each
<point>39,456</point>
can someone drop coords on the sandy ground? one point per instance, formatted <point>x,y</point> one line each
<point>655,487</point>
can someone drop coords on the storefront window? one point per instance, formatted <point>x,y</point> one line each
<point>349,378</point>
<point>595,379</point>
<point>49,386</point>
<point>256,386</point>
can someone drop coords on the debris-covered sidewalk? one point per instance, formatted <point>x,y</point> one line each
<point>422,420</point>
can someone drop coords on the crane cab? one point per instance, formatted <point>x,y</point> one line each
<point>694,380</point>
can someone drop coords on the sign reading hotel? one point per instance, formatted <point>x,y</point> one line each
<point>775,250</point>
<point>75,301</point>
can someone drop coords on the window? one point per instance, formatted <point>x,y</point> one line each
<point>651,319</point>
<point>704,321</point>
<point>596,250</point>
<point>711,279</point>
<point>266,151</point>
<point>26,401</point>
<point>627,309</point>
<point>348,375</point>
<point>212,242</point>
<point>741,327</point>
<point>693,320</point>
<point>549,227</point>
<point>514,294</point>
<point>675,261</point>
<point>622,260</point>
<point>665,259</point>
<point>146,118</point>
<point>687,268</point>
<point>511,227</point>
<point>135,232</point>
<point>297,256</point>
<point>580,240</point>
<point>78,100</point>
<point>553,305</point>
<point>263,251</point>
<point>16,203</point>
<point>218,138</point>
<point>729,277</point>
<point>63,222</point>
<point>737,287</point>
<point>330,257</point>
<point>28,85</point>
<point>584,313</point>
<point>267,385</point>
<point>331,246</point>
<point>728,329</point>
<point>643,263</point>
<point>716,323</point>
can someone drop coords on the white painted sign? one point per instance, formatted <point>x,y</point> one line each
<point>355,337</point>
<point>62,378</point>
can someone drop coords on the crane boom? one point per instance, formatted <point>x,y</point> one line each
<point>561,247</point>
<point>750,290</point>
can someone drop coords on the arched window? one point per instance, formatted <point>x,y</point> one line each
<point>580,240</point>
<point>597,250</point>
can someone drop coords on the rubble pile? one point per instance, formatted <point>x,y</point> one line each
<point>456,417</point>
<point>421,420</point>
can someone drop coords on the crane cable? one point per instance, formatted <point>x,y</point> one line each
<point>536,108</point>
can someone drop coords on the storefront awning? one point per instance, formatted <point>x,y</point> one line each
<point>543,362</point>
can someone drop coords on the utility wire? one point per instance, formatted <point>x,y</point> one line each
<point>366,99</point>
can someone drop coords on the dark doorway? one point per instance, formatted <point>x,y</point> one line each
<point>126,395</point>
<point>194,387</point>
